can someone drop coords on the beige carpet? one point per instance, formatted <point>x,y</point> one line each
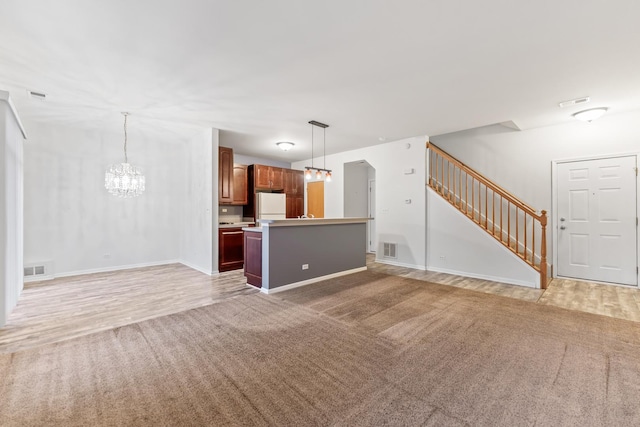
<point>365,349</point>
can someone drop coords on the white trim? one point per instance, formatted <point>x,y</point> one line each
<point>200,269</point>
<point>554,206</point>
<point>4,95</point>
<point>314,280</point>
<point>401,264</point>
<point>535,285</point>
<point>116,268</point>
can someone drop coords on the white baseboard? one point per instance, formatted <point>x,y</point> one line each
<point>314,280</point>
<point>400,264</point>
<point>114,268</point>
<point>200,269</point>
<point>483,277</point>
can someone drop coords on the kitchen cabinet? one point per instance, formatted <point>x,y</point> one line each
<point>268,177</point>
<point>272,179</point>
<point>294,190</point>
<point>225,175</point>
<point>231,248</point>
<point>253,257</point>
<point>240,181</point>
<point>232,179</point>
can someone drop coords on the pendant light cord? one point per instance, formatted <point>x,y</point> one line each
<point>324,147</point>
<point>125,138</point>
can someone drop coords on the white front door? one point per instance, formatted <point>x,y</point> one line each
<point>596,220</point>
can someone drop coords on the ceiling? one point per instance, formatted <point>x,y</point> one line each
<point>374,70</point>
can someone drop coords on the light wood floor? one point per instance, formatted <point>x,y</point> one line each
<point>55,310</point>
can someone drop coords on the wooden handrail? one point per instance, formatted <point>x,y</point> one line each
<point>459,198</point>
<point>515,201</point>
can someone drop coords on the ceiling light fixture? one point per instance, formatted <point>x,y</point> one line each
<point>285,145</point>
<point>590,114</point>
<point>123,179</point>
<point>308,169</point>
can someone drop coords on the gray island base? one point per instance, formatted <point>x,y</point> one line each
<point>297,252</point>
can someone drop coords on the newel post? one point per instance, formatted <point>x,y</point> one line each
<point>543,250</point>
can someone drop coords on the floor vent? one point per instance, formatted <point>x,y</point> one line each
<point>34,270</point>
<point>390,250</point>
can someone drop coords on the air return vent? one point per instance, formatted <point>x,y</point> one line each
<point>390,250</point>
<point>34,270</point>
<point>576,101</point>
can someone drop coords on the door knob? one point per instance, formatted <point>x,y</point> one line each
<point>562,219</point>
<point>562,227</point>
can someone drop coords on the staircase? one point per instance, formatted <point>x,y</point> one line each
<point>510,221</point>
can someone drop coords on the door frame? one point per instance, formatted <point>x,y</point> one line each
<point>372,243</point>
<point>553,226</point>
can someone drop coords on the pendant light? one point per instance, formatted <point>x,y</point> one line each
<point>124,179</point>
<point>308,169</point>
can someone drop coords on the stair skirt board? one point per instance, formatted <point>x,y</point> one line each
<point>489,254</point>
<point>490,226</point>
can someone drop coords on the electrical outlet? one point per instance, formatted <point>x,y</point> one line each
<point>305,266</point>
<point>443,258</point>
<point>224,210</point>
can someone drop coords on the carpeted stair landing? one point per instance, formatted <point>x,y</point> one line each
<point>361,350</point>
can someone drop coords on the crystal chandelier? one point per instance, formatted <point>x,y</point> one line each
<point>124,179</point>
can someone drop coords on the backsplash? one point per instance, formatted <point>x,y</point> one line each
<point>230,214</point>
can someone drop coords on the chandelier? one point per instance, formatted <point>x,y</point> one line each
<point>124,179</point>
<point>308,169</point>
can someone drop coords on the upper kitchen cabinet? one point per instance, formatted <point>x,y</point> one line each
<point>232,179</point>
<point>225,175</point>
<point>268,178</point>
<point>293,182</point>
<point>240,180</point>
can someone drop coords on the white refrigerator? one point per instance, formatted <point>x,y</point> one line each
<point>271,206</point>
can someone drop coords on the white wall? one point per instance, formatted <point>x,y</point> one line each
<point>520,161</point>
<point>74,226</point>
<point>396,221</point>
<point>356,188</point>
<point>250,160</point>
<point>455,245</point>
<point>11,206</point>
<point>199,241</point>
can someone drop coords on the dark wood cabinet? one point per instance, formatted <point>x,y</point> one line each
<point>294,189</point>
<point>225,175</point>
<point>231,248</point>
<point>232,179</point>
<point>253,257</point>
<point>273,179</point>
<point>240,181</point>
<point>268,178</point>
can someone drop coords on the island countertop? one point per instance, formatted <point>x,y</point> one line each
<point>294,222</point>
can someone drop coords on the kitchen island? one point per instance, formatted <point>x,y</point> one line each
<point>285,253</point>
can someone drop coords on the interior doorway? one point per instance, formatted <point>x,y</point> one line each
<point>360,197</point>
<point>315,199</point>
<point>596,220</point>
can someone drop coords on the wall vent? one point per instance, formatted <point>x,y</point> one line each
<point>390,250</point>
<point>34,270</point>
<point>576,101</point>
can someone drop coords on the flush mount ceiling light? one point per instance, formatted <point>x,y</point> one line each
<point>285,145</point>
<point>124,179</point>
<point>308,169</point>
<point>590,114</point>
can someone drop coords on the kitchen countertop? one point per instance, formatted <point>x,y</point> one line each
<point>236,225</point>
<point>293,222</point>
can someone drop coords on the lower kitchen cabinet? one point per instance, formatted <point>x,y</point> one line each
<point>231,248</point>
<point>253,257</point>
